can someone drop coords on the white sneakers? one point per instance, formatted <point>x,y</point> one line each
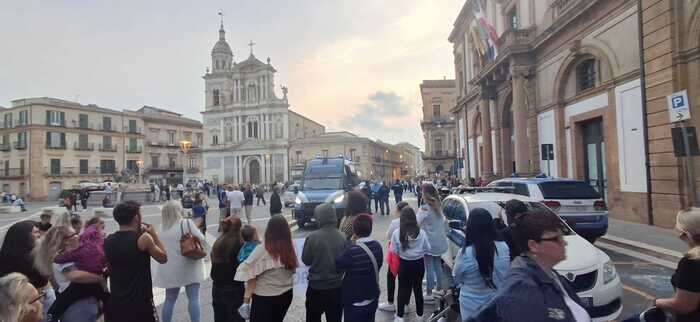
<point>387,307</point>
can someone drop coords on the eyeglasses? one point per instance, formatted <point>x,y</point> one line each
<point>557,239</point>
<point>41,296</point>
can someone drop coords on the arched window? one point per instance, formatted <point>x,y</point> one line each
<point>585,75</point>
<point>216,97</point>
<point>215,140</point>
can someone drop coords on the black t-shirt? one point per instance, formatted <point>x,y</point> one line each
<point>687,278</point>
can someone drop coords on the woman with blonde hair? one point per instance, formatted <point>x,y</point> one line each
<point>685,303</point>
<point>179,270</point>
<point>19,299</point>
<point>60,239</point>
<point>431,220</point>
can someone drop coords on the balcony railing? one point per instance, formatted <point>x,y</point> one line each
<point>108,148</point>
<point>84,147</point>
<point>192,170</point>
<point>12,172</point>
<point>107,128</point>
<point>5,147</point>
<point>56,146</point>
<point>517,37</point>
<point>134,149</point>
<point>78,171</point>
<point>20,145</point>
<point>155,143</point>
<point>56,124</point>
<point>134,130</point>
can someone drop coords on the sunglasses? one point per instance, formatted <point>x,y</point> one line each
<point>558,238</point>
<point>41,296</point>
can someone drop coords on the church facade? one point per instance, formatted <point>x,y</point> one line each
<point>247,127</point>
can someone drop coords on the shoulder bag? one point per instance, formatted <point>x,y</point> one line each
<point>190,246</point>
<point>374,261</point>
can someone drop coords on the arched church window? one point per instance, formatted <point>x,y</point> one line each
<point>216,97</point>
<point>585,75</point>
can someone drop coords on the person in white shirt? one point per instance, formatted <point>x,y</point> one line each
<point>411,243</point>
<point>235,201</point>
<point>391,256</point>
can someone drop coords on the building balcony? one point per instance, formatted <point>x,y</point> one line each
<point>56,124</point>
<point>440,155</point>
<point>107,128</point>
<point>8,173</point>
<point>5,147</point>
<point>514,38</point>
<point>108,148</point>
<point>134,149</point>
<point>56,146</point>
<point>164,168</point>
<point>84,147</point>
<point>155,143</point>
<point>78,171</point>
<point>134,130</point>
<point>20,145</point>
<point>192,170</point>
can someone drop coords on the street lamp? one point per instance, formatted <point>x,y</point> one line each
<point>139,164</point>
<point>185,147</point>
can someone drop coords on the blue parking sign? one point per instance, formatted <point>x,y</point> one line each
<point>678,102</point>
<point>678,106</point>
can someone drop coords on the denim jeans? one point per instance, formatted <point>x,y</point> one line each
<point>171,294</point>
<point>433,273</point>
<point>226,299</point>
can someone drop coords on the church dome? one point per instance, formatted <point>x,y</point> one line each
<point>221,47</point>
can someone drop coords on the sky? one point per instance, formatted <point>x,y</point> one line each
<point>350,65</point>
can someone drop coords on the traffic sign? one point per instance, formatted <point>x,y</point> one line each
<point>678,106</point>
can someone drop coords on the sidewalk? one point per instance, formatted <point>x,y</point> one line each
<point>649,241</point>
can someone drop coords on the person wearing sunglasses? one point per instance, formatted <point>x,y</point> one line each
<point>19,300</point>
<point>532,290</point>
<point>685,303</point>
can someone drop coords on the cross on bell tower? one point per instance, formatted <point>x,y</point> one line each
<point>251,44</point>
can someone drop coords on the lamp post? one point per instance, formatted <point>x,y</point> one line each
<point>139,164</point>
<point>185,147</point>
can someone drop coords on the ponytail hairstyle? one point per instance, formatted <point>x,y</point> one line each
<point>408,226</point>
<point>688,223</point>
<point>480,233</point>
<point>431,197</point>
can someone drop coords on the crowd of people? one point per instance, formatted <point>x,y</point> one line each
<point>70,270</point>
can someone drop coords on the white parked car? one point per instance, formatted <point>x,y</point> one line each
<point>290,195</point>
<point>590,271</point>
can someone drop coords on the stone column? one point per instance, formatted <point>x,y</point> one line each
<point>522,148</point>
<point>487,157</point>
<point>239,169</point>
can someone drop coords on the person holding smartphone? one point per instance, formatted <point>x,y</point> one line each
<point>129,252</point>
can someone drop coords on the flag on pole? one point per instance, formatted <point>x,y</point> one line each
<point>486,31</point>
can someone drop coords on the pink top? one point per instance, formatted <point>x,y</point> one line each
<point>90,255</point>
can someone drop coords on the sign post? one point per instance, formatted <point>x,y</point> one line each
<point>547,151</point>
<point>679,112</point>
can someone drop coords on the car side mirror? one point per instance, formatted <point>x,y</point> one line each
<point>456,224</point>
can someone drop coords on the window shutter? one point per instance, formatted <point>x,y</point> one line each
<point>63,139</point>
<point>48,139</point>
<point>62,119</point>
<point>48,117</point>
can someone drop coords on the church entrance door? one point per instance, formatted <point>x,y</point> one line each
<point>254,174</point>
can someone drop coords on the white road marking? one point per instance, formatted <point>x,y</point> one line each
<point>639,255</point>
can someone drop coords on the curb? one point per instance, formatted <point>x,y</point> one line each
<point>659,253</point>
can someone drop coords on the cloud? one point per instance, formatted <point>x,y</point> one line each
<point>385,116</point>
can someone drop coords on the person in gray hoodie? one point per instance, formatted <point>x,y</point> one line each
<point>320,250</point>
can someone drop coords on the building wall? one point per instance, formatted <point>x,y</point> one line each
<point>37,156</point>
<point>439,96</point>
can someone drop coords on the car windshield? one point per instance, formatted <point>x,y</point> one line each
<point>568,190</point>
<point>322,184</point>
